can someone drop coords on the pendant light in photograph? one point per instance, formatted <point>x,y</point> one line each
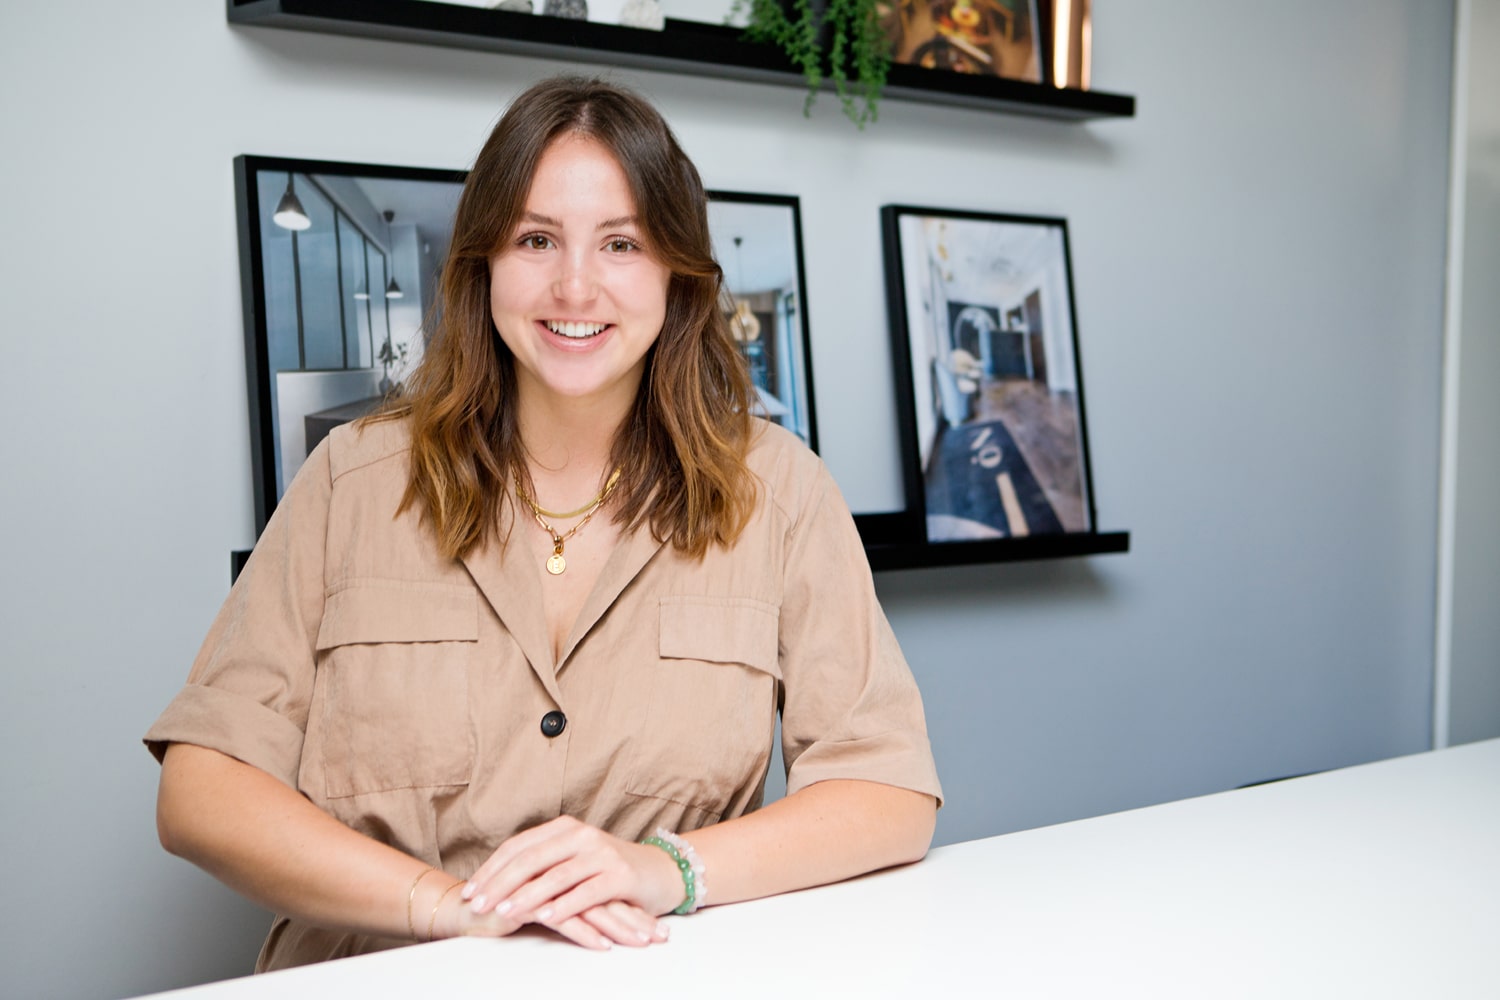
<point>743,324</point>
<point>289,212</point>
<point>393,290</point>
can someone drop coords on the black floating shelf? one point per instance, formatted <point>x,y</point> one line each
<point>886,557</point>
<point>689,47</point>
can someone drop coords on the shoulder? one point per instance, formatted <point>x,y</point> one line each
<point>383,446</point>
<point>791,475</point>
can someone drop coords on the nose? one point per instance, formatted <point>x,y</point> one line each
<point>576,279</point>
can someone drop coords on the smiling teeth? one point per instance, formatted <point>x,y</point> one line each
<point>576,331</point>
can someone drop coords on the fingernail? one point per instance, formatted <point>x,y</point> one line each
<point>605,943</point>
<point>645,938</point>
<point>468,890</point>
<point>662,930</point>
<point>477,904</point>
<point>545,913</point>
<point>504,907</point>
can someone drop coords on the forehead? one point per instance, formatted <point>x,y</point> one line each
<point>581,171</point>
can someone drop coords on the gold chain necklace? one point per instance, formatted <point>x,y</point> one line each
<point>555,562</point>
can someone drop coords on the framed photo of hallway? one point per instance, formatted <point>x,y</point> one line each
<point>984,338</point>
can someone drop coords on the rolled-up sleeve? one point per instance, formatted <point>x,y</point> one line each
<point>852,708</point>
<point>249,689</point>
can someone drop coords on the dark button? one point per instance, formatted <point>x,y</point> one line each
<point>553,723</point>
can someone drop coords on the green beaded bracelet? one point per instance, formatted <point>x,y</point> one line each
<point>685,867</point>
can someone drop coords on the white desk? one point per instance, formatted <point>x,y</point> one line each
<point>1373,881</point>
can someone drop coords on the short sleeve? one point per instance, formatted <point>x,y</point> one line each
<point>852,708</point>
<point>249,689</point>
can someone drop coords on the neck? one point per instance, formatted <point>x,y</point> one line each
<point>568,447</point>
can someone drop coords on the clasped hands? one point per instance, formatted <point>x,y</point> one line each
<point>589,886</point>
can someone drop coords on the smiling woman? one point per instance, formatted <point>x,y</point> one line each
<point>512,650</point>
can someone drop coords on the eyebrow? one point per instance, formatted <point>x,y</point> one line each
<point>547,220</point>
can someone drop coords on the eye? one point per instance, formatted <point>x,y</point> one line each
<point>621,244</point>
<point>535,241</point>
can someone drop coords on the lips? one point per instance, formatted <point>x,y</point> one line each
<point>576,330</point>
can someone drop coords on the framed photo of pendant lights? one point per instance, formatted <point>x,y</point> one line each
<point>339,264</point>
<point>758,242</point>
<point>338,268</point>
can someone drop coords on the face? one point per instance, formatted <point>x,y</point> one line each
<point>576,294</point>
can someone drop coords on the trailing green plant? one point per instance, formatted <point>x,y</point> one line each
<point>843,38</point>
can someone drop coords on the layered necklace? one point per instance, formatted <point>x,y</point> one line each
<point>555,562</point>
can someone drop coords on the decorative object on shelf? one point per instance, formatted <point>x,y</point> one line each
<point>769,324</point>
<point>576,10</point>
<point>323,345</point>
<point>985,37</point>
<point>988,384</point>
<point>515,6</point>
<point>843,38</point>
<point>1069,38</point>
<point>643,14</point>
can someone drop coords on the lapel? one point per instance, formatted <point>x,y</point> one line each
<point>506,575</point>
<point>630,556</point>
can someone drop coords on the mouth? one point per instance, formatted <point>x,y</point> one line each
<point>575,330</point>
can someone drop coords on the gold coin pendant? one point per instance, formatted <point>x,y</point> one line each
<point>556,564</point>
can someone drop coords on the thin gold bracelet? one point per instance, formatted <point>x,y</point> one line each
<point>432,922</point>
<point>411,894</point>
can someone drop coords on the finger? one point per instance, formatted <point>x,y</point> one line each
<point>580,931</point>
<point>488,925</point>
<point>626,924</point>
<point>559,893</point>
<point>513,846</point>
<point>530,864</point>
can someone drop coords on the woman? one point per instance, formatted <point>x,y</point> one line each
<point>512,652</point>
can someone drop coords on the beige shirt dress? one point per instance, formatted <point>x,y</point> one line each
<point>415,698</point>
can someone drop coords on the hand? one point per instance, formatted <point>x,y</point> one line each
<point>598,928</point>
<point>589,886</point>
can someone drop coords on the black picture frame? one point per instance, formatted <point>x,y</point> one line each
<point>989,392</point>
<point>757,240</point>
<point>314,334</point>
<point>281,276</point>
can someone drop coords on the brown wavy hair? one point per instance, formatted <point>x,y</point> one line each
<point>682,447</point>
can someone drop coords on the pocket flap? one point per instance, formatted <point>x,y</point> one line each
<point>399,612</point>
<point>721,630</point>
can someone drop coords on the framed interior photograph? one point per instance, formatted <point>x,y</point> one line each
<point>985,342</point>
<point>983,37</point>
<point>758,242</point>
<point>339,268</point>
<point>339,265</point>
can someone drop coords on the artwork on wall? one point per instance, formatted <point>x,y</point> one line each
<point>339,267</point>
<point>985,343</point>
<point>984,37</point>
<point>757,240</point>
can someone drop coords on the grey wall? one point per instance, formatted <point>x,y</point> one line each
<point>1259,261</point>
<point>1474,636</point>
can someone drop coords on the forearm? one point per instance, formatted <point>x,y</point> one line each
<point>271,844</point>
<point>825,832</point>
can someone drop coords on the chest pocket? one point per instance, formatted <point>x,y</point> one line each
<point>706,738</point>
<point>393,686</point>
